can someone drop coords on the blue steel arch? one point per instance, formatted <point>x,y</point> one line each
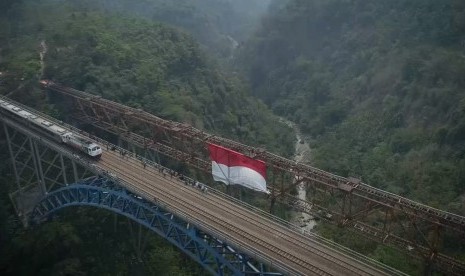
<point>212,254</point>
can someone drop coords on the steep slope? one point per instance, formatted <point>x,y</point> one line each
<point>140,63</point>
<point>378,85</point>
<point>218,25</point>
<point>379,88</point>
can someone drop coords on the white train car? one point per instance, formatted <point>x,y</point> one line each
<point>54,131</point>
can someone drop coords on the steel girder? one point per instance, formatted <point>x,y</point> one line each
<point>125,119</point>
<point>34,162</point>
<point>212,254</point>
<point>42,170</point>
<point>386,218</point>
<point>38,165</point>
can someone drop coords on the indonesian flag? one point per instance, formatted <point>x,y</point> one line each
<point>231,167</point>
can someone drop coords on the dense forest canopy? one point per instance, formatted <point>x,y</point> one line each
<point>141,63</point>
<point>219,25</point>
<point>379,88</point>
<point>145,62</point>
<point>378,85</point>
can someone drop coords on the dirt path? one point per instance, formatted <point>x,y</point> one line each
<point>42,52</point>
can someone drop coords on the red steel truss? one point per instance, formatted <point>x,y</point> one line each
<point>384,217</point>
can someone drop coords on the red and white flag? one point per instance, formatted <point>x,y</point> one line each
<point>231,167</point>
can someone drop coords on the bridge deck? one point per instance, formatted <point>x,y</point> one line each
<point>242,227</point>
<point>263,238</point>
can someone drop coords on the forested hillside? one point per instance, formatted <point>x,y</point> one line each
<point>219,25</point>
<point>139,61</point>
<point>379,89</point>
<point>377,85</point>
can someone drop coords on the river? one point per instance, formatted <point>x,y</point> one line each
<point>42,52</point>
<point>302,155</point>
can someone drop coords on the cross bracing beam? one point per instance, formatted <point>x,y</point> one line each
<point>213,254</point>
<point>32,159</point>
<point>95,168</point>
<point>39,164</point>
<point>180,131</point>
<point>356,202</point>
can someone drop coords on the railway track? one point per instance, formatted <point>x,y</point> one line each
<point>263,232</point>
<point>228,227</point>
<point>272,239</point>
<point>300,243</point>
<point>229,221</point>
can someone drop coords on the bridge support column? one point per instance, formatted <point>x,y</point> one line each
<point>37,165</point>
<point>63,168</point>
<point>27,172</point>
<point>75,173</point>
<point>13,160</point>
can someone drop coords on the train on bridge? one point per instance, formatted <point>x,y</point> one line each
<point>53,131</point>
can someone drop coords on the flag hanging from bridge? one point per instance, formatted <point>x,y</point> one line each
<point>231,168</point>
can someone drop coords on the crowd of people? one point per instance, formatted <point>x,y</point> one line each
<point>162,170</point>
<point>125,154</point>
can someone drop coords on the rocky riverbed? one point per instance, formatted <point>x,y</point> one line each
<point>302,155</point>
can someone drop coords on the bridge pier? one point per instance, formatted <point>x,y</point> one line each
<point>15,170</point>
<point>29,179</point>
<point>39,166</point>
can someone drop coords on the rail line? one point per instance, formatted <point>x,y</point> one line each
<point>265,238</point>
<point>180,130</point>
<point>172,198</point>
<point>187,144</point>
<point>296,239</point>
<point>194,201</point>
<point>297,262</point>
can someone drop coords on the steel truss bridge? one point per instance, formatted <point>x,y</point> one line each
<point>224,235</point>
<point>387,218</point>
<point>43,171</point>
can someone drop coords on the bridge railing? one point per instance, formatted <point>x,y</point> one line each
<point>292,227</point>
<point>364,190</point>
<point>298,230</point>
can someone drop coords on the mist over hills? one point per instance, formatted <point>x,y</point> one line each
<point>166,68</point>
<point>217,24</point>
<point>377,87</point>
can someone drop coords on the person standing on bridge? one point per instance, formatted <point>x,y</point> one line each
<point>144,164</point>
